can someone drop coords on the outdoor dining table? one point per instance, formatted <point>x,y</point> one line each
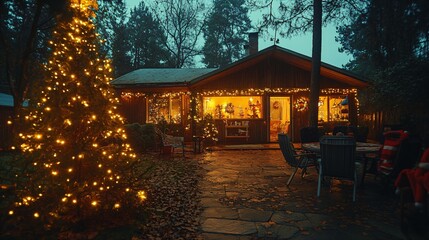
<point>362,148</point>
<point>364,152</point>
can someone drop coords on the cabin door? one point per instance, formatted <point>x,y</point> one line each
<point>280,110</point>
<point>300,117</point>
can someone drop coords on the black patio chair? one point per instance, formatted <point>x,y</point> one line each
<point>338,129</point>
<point>338,154</point>
<point>309,134</point>
<point>293,158</point>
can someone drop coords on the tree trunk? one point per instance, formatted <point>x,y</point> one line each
<point>316,59</point>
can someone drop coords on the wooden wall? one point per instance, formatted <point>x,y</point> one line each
<point>269,73</point>
<point>133,109</point>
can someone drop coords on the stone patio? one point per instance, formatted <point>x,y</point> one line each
<point>244,196</point>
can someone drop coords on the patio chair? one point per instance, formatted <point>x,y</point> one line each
<point>400,153</point>
<point>407,156</point>
<point>171,142</point>
<point>294,159</point>
<point>309,134</point>
<point>413,186</point>
<point>338,154</point>
<point>338,129</point>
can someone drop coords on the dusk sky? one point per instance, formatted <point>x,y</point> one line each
<point>301,44</point>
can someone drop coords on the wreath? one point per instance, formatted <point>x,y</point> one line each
<point>301,104</point>
<point>276,105</point>
<point>229,108</point>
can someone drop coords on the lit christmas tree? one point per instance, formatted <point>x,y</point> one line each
<point>75,143</point>
<point>210,130</point>
<point>206,128</point>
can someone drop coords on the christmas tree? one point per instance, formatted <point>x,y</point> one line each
<point>206,128</point>
<point>210,130</point>
<point>79,163</point>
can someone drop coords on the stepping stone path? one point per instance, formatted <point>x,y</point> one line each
<point>244,196</point>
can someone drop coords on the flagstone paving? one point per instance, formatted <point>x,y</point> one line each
<point>244,196</point>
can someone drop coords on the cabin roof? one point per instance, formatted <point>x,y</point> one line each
<point>161,76</point>
<point>199,76</point>
<point>6,100</point>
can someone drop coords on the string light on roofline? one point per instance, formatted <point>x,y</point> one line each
<point>196,96</point>
<point>240,92</point>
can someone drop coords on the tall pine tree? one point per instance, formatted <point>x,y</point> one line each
<point>147,40</point>
<point>225,33</point>
<point>79,163</point>
<point>111,23</point>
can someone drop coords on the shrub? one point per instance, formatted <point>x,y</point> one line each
<point>141,137</point>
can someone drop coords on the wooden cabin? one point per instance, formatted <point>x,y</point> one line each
<point>251,100</point>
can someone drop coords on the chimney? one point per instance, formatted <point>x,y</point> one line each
<point>252,48</point>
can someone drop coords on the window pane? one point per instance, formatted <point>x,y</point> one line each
<point>164,108</point>
<point>176,107</point>
<point>323,109</point>
<point>338,108</point>
<point>233,107</point>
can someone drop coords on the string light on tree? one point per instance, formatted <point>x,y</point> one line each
<point>74,136</point>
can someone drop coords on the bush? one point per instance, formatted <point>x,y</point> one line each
<point>141,137</point>
<point>170,128</point>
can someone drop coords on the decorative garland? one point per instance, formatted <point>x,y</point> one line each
<point>301,104</point>
<point>241,92</point>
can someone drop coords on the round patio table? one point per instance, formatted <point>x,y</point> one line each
<point>361,147</point>
<point>365,151</point>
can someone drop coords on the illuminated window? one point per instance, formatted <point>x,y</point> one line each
<point>167,108</point>
<point>338,108</point>
<point>247,107</point>
<point>323,109</point>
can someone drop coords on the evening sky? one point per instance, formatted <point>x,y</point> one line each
<point>301,43</point>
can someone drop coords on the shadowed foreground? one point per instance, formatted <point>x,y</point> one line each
<point>244,196</point>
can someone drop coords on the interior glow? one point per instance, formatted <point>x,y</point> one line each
<point>233,107</point>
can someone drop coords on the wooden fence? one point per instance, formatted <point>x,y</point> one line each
<point>379,122</point>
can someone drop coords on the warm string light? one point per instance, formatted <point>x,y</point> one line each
<point>301,104</point>
<point>66,92</point>
<point>242,92</point>
<point>196,99</point>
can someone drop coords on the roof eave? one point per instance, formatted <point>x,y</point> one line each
<point>152,87</point>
